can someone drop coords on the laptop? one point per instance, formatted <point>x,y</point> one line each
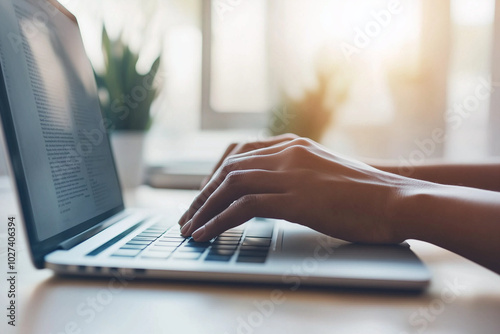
<point>71,202</point>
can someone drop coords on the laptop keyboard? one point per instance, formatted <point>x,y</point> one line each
<point>247,244</point>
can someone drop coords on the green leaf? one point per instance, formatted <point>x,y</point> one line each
<point>122,82</point>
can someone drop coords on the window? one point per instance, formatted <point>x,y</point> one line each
<point>469,79</point>
<point>236,85</point>
<point>229,63</point>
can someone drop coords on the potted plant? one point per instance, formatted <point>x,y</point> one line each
<point>126,97</point>
<point>311,114</point>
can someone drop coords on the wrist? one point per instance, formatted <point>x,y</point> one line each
<point>412,202</point>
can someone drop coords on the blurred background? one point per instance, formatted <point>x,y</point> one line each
<point>407,80</point>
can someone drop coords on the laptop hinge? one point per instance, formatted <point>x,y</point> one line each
<point>81,237</point>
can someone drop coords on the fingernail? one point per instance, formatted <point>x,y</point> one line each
<point>199,233</point>
<point>185,228</point>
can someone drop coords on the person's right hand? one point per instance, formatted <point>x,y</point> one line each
<point>299,181</point>
<point>238,148</point>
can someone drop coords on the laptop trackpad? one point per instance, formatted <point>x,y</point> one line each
<point>300,239</point>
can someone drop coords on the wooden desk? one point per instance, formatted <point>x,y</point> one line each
<point>463,298</point>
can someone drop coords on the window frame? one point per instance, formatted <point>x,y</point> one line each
<point>212,119</point>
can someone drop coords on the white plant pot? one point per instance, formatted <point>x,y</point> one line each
<point>128,150</point>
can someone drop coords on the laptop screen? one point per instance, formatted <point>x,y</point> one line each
<point>55,133</point>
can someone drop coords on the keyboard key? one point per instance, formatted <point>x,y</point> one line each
<point>260,231</point>
<point>127,246</point>
<point>166,244</point>
<point>226,242</point>
<point>191,249</point>
<point>174,231</point>
<point>229,237</point>
<point>254,248</point>
<point>179,240</point>
<point>192,243</point>
<point>225,252</point>
<point>149,235</point>
<point>251,259</point>
<point>232,240</point>
<point>156,248</point>
<point>186,256</point>
<point>138,242</point>
<point>169,242</point>
<point>228,247</point>
<point>143,238</point>
<point>231,233</point>
<point>251,253</point>
<point>165,237</point>
<point>250,241</point>
<point>219,258</point>
<point>173,234</point>
<point>155,229</point>
<point>156,255</point>
<point>127,252</point>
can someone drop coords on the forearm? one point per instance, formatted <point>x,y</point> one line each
<point>483,176</point>
<point>463,220</point>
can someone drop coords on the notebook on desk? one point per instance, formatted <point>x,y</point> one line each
<point>71,201</point>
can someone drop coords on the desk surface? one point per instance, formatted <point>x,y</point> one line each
<point>462,298</point>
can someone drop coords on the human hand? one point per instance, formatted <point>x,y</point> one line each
<point>238,148</point>
<point>297,180</point>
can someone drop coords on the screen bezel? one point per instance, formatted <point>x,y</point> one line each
<point>40,248</point>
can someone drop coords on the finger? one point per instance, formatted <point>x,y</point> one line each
<point>277,148</point>
<point>258,162</point>
<point>244,209</point>
<point>236,185</point>
<point>205,181</point>
<point>256,145</point>
<point>267,151</point>
<point>226,153</point>
<point>184,218</point>
<point>250,146</point>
